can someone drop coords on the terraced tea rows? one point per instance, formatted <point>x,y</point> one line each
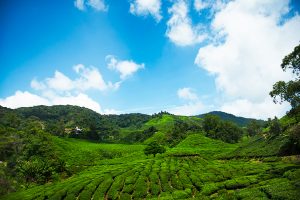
<point>177,178</point>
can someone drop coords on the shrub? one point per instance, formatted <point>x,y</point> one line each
<point>103,187</point>
<point>116,187</point>
<point>140,190</point>
<point>154,148</point>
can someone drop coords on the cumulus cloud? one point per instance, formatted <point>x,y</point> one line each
<point>180,29</point>
<point>59,82</point>
<point>80,99</point>
<point>188,109</point>
<point>200,5</point>
<point>192,105</point>
<point>126,68</point>
<point>146,7</point>
<point>27,99</point>
<point>187,94</point>
<point>89,78</point>
<point>79,4</point>
<point>263,109</point>
<point>97,5</point>
<point>250,40</point>
<point>60,89</point>
<point>23,99</point>
<point>213,5</point>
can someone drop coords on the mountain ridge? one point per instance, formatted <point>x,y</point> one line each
<point>241,121</point>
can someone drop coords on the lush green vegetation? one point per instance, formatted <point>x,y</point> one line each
<point>227,131</point>
<point>181,173</point>
<point>165,156</point>
<point>240,121</point>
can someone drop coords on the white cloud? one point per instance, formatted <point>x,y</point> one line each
<point>126,68</point>
<point>27,99</point>
<point>79,4</point>
<point>59,82</point>
<point>146,7</point>
<point>192,105</point>
<point>97,5</point>
<point>213,5</point>
<point>180,29</point>
<point>37,85</point>
<point>23,99</point>
<point>80,99</point>
<point>89,78</point>
<point>186,94</point>
<point>62,90</point>
<point>247,63</point>
<point>263,109</point>
<point>189,109</point>
<point>200,5</point>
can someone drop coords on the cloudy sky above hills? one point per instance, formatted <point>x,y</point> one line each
<point>185,57</point>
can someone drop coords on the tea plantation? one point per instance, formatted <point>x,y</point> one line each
<point>180,173</point>
<point>199,159</point>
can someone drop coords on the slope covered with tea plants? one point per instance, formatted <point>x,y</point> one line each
<point>205,158</point>
<point>180,173</point>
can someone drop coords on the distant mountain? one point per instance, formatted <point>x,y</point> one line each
<point>241,121</point>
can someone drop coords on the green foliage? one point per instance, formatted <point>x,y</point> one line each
<point>289,91</point>
<point>275,127</point>
<point>253,128</point>
<point>210,122</point>
<point>240,121</point>
<point>154,148</point>
<point>217,129</point>
<point>198,144</point>
<point>177,178</point>
<point>38,165</point>
<point>140,135</point>
<point>62,120</point>
<point>178,132</point>
<point>27,151</point>
<point>292,146</point>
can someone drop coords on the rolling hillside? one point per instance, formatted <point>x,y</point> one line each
<point>41,159</point>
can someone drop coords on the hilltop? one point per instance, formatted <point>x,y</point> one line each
<point>241,121</point>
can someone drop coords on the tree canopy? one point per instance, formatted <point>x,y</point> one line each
<point>216,128</point>
<point>289,91</point>
<point>154,148</point>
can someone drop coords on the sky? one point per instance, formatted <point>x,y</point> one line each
<point>129,56</point>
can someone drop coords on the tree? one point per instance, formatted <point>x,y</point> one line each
<point>275,127</point>
<point>154,148</point>
<point>218,129</point>
<point>253,128</point>
<point>289,91</point>
<point>292,147</point>
<point>210,122</point>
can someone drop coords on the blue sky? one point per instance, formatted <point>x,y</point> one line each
<point>186,57</point>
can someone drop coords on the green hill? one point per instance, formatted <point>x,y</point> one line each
<point>241,121</point>
<point>42,159</point>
